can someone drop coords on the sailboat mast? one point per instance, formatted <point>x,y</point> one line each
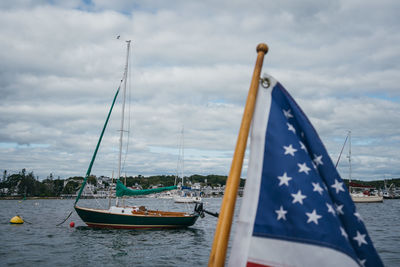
<point>121,135</point>
<point>183,155</point>
<point>109,192</point>
<point>350,156</point>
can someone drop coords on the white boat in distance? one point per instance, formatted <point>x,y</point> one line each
<point>362,198</point>
<point>187,199</point>
<point>358,193</point>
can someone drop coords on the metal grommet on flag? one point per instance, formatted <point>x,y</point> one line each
<point>265,82</point>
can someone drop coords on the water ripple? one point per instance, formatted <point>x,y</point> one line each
<point>42,243</point>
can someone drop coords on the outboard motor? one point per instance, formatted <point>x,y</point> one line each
<point>200,210</point>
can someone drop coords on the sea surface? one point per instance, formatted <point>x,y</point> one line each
<point>39,242</point>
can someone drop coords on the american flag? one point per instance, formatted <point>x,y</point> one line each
<point>296,210</point>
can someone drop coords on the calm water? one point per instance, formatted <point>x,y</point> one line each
<point>42,243</point>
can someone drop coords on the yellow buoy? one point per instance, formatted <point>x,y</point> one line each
<point>16,220</point>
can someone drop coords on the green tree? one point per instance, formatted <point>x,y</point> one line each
<point>27,184</point>
<point>71,187</point>
<point>58,187</point>
<point>92,180</point>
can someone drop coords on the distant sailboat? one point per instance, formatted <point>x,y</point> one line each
<point>184,195</point>
<point>357,192</point>
<point>121,216</point>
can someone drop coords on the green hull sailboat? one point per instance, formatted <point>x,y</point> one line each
<point>133,218</point>
<point>130,217</point>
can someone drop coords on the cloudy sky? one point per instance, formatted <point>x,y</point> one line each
<point>191,65</point>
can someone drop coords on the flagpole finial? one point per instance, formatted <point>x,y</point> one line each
<point>263,48</point>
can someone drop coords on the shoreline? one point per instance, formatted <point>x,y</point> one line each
<point>33,198</point>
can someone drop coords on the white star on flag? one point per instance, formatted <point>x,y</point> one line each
<point>339,209</point>
<point>284,179</point>
<point>281,214</point>
<point>344,233</point>
<point>289,150</point>
<point>318,160</point>
<point>358,216</point>
<point>298,197</point>
<point>338,186</point>
<point>291,128</point>
<point>303,168</point>
<point>313,217</point>
<point>331,209</point>
<point>287,114</point>
<point>317,188</point>
<point>360,239</point>
<point>302,146</point>
<point>314,166</point>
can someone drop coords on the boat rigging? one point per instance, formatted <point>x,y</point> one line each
<point>129,217</point>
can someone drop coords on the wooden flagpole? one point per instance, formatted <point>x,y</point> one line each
<point>221,236</point>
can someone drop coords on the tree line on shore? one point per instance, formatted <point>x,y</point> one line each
<point>27,184</point>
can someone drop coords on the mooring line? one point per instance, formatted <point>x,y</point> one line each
<point>65,219</point>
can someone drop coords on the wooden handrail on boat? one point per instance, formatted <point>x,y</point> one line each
<point>159,213</point>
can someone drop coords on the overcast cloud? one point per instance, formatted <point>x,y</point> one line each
<point>191,65</point>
